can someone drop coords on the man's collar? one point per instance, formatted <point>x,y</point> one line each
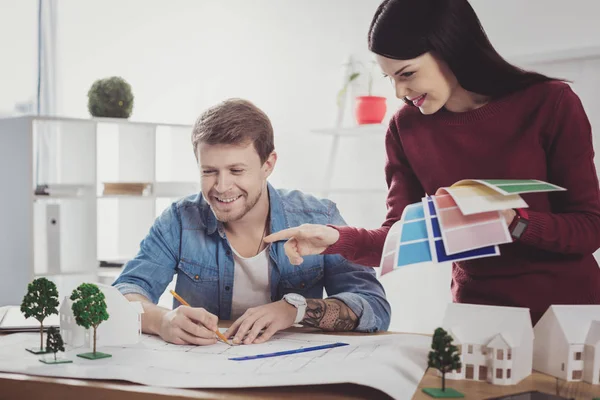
<point>278,219</point>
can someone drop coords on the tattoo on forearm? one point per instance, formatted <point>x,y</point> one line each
<point>329,315</point>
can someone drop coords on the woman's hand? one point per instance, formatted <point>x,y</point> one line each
<point>305,240</point>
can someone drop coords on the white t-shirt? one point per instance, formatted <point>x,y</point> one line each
<point>251,282</point>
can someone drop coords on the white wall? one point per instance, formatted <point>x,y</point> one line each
<point>18,52</point>
<point>183,55</point>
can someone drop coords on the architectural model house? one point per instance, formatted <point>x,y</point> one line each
<point>572,333</point>
<point>124,324</point>
<point>496,343</point>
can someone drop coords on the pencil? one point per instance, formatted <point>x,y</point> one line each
<point>185,303</point>
<point>179,298</point>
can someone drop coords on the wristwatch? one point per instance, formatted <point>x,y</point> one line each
<point>519,224</point>
<point>299,302</point>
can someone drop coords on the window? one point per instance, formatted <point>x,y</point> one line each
<point>500,354</point>
<point>470,349</point>
<point>577,375</point>
<point>508,373</point>
<point>459,347</point>
<point>498,373</point>
<point>483,350</point>
<point>509,354</point>
<point>578,355</point>
<point>562,368</point>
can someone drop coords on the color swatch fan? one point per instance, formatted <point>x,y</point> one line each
<point>459,223</point>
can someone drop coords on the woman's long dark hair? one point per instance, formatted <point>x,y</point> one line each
<point>450,29</point>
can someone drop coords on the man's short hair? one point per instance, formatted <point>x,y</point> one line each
<point>235,121</point>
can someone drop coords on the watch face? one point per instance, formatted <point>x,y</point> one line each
<point>519,229</point>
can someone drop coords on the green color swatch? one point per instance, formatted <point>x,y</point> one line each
<point>534,187</point>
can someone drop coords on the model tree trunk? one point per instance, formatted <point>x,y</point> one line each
<point>95,326</point>
<point>41,335</point>
<point>443,380</point>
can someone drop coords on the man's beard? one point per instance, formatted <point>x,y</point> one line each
<point>228,217</point>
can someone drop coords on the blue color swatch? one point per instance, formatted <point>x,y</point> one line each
<point>414,211</point>
<point>442,256</point>
<point>416,230</point>
<point>414,253</point>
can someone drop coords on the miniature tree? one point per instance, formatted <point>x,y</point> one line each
<point>54,344</point>
<point>39,302</point>
<point>445,358</point>
<point>89,309</point>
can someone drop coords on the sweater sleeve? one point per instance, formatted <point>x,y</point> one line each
<point>364,246</point>
<point>573,226</point>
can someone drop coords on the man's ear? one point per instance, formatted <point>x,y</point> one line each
<point>269,164</point>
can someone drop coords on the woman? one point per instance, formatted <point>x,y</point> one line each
<point>471,114</point>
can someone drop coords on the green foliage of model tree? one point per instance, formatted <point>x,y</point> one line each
<point>40,301</point>
<point>110,97</point>
<point>444,355</point>
<point>89,307</point>
<point>54,341</point>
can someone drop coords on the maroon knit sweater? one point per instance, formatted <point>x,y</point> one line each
<point>541,132</point>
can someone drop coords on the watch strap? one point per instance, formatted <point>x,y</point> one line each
<point>301,311</point>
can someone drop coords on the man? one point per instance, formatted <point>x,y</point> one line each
<point>214,243</point>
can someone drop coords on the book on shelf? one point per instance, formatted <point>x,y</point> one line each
<point>112,263</point>
<point>61,189</point>
<point>127,188</point>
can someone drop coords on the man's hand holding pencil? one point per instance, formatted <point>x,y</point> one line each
<point>189,325</point>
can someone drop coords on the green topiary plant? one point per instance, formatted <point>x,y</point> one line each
<point>110,97</point>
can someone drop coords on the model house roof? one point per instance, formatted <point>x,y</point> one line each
<point>477,324</point>
<point>575,320</point>
<point>593,336</point>
<point>500,339</point>
<point>113,298</point>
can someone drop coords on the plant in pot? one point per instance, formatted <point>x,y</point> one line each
<point>368,109</point>
<point>110,97</point>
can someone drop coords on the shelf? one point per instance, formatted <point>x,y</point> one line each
<point>109,272</point>
<point>158,190</point>
<point>345,191</point>
<point>64,273</point>
<point>105,120</point>
<point>358,130</point>
<point>127,196</point>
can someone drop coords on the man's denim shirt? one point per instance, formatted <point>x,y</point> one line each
<point>187,239</point>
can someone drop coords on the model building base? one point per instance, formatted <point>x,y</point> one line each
<point>37,350</point>
<point>51,360</point>
<point>92,356</point>
<point>438,393</point>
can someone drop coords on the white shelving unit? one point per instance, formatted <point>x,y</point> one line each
<point>68,232</point>
<point>354,173</point>
<point>359,131</point>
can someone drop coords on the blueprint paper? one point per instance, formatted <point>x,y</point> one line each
<point>393,364</point>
